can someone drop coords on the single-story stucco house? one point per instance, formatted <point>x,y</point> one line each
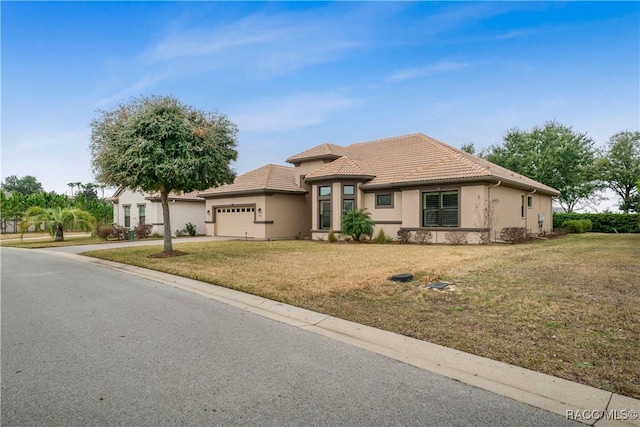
<point>131,208</point>
<point>410,182</point>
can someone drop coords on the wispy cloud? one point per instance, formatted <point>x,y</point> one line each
<point>133,89</point>
<point>427,70</point>
<point>261,45</point>
<point>291,112</point>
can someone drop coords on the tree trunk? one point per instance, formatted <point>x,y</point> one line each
<point>59,233</point>
<point>164,195</point>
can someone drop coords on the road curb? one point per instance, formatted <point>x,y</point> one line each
<point>582,403</point>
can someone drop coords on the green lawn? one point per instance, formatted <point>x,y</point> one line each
<point>566,307</point>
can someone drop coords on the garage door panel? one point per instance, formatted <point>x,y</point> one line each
<point>235,222</point>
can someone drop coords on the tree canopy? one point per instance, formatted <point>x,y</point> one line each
<point>25,185</point>
<point>619,168</point>
<point>158,144</point>
<point>554,155</point>
<point>57,219</point>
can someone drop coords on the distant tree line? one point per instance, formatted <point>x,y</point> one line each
<point>18,195</point>
<point>569,161</point>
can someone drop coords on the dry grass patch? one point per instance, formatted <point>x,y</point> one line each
<point>567,307</point>
<point>46,241</point>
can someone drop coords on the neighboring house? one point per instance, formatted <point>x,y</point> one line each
<point>131,208</point>
<point>409,182</point>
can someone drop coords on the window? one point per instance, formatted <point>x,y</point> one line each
<point>440,209</point>
<point>529,202</point>
<point>141,214</point>
<point>348,204</point>
<point>324,207</point>
<point>348,197</point>
<point>384,200</point>
<point>127,215</point>
<point>522,206</point>
<point>325,214</point>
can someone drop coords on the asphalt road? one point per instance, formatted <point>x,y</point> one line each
<point>84,345</point>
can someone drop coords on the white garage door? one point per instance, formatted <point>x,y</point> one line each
<point>235,222</point>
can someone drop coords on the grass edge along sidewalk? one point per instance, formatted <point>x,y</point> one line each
<point>562,307</point>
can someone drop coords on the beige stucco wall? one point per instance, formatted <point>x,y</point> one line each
<point>411,208</point>
<point>180,212</point>
<point>509,213</point>
<point>387,219</point>
<point>473,200</point>
<point>306,168</point>
<point>254,230</point>
<point>481,206</point>
<point>290,215</point>
<point>133,199</point>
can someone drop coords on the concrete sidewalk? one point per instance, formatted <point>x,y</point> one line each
<point>579,402</point>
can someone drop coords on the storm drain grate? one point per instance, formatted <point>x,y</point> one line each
<point>438,285</point>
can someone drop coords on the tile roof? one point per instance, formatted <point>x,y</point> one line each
<point>342,167</point>
<point>192,196</point>
<point>409,159</point>
<point>322,151</point>
<point>271,178</point>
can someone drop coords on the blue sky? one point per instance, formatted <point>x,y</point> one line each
<point>295,75</point>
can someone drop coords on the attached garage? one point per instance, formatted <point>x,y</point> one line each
<point>265,203</point>
<point>235,221</point>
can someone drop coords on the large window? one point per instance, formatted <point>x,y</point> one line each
<point>127,215</point>
<point>348,197</point>
<point>440,209</point>
<point>141,214</point>
<point>325,214</point>
<point>324,207</point>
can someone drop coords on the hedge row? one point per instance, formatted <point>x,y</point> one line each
<point>602,222</point>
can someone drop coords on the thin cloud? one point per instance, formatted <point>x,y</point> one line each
<point>291,112</point>
<point>261,45</point>
<point>133,89</point>
<point>440,67</point>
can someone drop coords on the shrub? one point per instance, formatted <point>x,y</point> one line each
<point>191,229</point>
<point>423,237</point>
<point>514,234</point>
<point>456,237</point>
<point>484,237</point>
<point>577,225</point>
<point>105,232</point>
<point>332,237</point>
<point>602,222</point>
<point>404,235</point>
<point>357,223</point>
<point>112,231</point>
<point>180,233</point>
<point>142,231</point>
<point>382,237</point>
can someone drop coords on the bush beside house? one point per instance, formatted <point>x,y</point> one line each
<point>601,222</point>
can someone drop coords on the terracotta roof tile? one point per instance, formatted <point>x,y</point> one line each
<point>344,167</point>
<point>322,151</point>
<point>410,159</point>
<point>267,178</point>
<point>192,196</point>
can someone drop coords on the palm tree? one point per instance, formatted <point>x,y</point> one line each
<point>55,220</point>
<point>72,185</point>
